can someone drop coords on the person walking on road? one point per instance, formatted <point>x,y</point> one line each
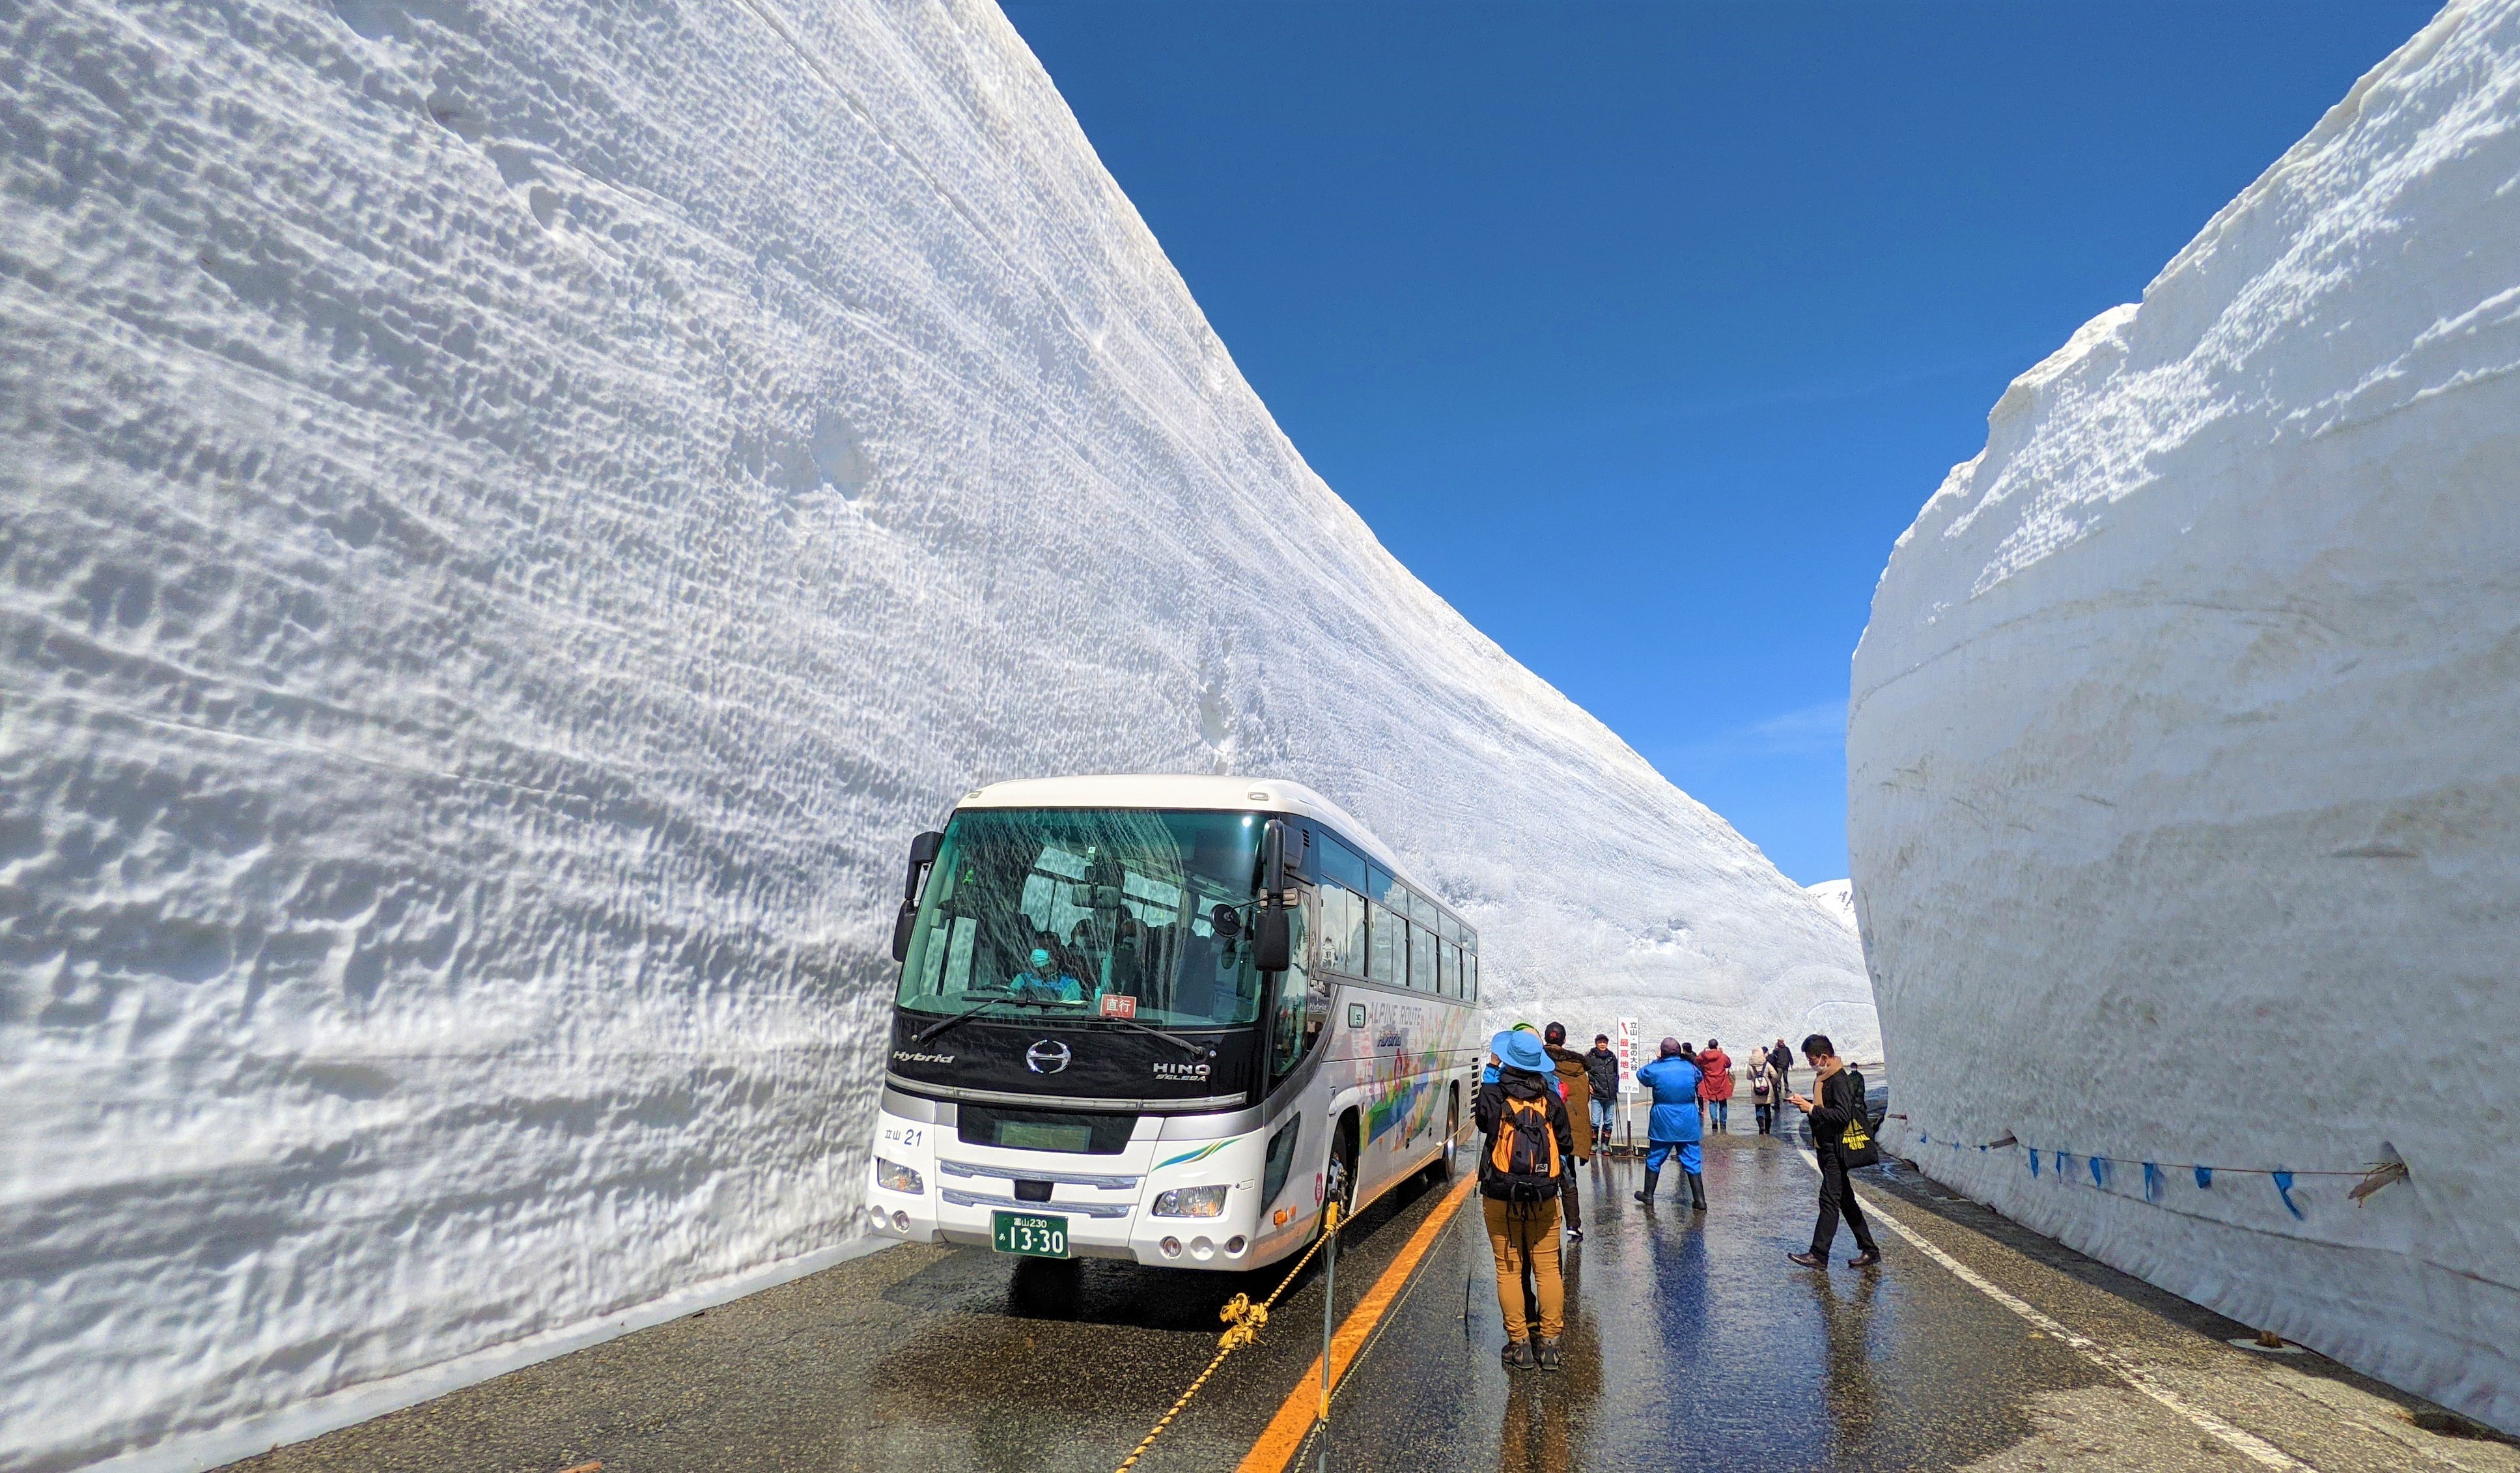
<point>1840,1103</point>
<point>1782,1058</point>
<point>1603,1066</point>
<point>1674,1127</point>
<point>1761,1076</point>
<point>1716,1089</point>
<point>1522,1178</point>
<point>1575,1087</point>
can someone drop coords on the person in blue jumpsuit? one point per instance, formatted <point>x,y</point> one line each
<point>1673,1129</point>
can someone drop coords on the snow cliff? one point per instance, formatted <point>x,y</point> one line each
<point>515,515</point>
<point>2184,755</point>
<point>1837,898</point>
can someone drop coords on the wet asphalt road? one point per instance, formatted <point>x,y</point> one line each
<point>1690,1342</point>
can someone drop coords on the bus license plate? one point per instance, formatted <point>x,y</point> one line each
<point>1030,1235</point>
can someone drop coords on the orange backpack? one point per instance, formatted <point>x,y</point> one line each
<point>1524,1158</point>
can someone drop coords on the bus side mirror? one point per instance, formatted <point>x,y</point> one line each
<point>922,853</point>
<point>1281,856</point>
<point>901,928</point>
<point>1272,938</point>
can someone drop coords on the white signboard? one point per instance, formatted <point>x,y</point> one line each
<point>1627,1056</point>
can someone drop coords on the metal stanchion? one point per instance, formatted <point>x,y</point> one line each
<point>1329,1315</point>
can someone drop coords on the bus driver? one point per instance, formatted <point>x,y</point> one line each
<point>1042,982</point>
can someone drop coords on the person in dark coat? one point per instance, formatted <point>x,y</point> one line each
<point>1575,1087</point>
<point>1840,1104</point>
<point>1604,1065</point>
<point>1522,1215</point>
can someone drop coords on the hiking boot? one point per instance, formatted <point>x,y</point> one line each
<point>1697,1190</point>
<point>1807,1260</point>
<point>1517,1354</point>
<point>1574,1235</point>
<point>1548,1355</point>
<point>1646,1197</point>
<point>1865,1259</point>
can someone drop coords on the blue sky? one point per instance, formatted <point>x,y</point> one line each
<point>1641,330</point>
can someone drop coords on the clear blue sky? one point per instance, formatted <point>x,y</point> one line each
<point>1640,331</point>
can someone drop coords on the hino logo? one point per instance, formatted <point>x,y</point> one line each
<point>1048,1057</point>
<point>1167,1069</point>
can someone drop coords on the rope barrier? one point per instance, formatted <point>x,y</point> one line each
<point>2372,1176</point>
<point>1243,1321</point>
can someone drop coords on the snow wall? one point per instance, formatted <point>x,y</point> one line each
<point>2184,755</point>
<point>516,516</point>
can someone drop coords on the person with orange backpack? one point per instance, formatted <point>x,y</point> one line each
<point>1522,1173</point>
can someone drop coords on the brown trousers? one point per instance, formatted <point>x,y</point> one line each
<point>1519,1232</point>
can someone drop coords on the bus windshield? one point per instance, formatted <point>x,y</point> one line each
<point>1056,909</point>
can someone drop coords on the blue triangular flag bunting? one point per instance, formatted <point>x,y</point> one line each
<point>2151,1183</point>
<point>2099,1171</point>
<point>2034,1163</point>
<point>2205,1177</point>
<point>2283,1189</point>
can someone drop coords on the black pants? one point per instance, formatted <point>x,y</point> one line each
<point>1837,1194</point>
<point>1767,1114</point>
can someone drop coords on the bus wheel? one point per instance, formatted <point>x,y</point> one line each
<point>1342,1182</point>
<point>1450,1161</point>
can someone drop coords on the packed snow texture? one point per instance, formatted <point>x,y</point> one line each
<point>516,514</point>
<point>1837,898</point>
<point>2185,755</point>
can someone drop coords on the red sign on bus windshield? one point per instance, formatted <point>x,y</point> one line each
<point>1119,1005</point>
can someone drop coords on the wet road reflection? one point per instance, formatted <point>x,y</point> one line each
<point>1690,1341</point>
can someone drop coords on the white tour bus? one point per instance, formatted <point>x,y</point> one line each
<point>1163,1019</point>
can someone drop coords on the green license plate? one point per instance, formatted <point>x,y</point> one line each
<point>1029,1235</point>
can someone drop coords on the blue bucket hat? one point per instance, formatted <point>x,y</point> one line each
<point>1517,1049</point>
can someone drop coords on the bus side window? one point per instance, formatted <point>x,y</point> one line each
<point>1287,1033</point>
<point>1342,931</point>
<point>1342,865</point>
<point>1389,944</point>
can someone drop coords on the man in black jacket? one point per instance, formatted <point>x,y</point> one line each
<point>1521,1177</point>
<point>1603,1067</point>
<point>1840,1104</point>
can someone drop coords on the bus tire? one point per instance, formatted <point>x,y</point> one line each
<point>1447,1160</point>
<point>1344,1152</point>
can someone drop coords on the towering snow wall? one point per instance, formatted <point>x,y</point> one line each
<point>515,514</point>
<point>2184,755</point>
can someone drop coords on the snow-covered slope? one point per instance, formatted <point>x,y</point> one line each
<point>2184,757</point>
<point>515,514</point>
<point>1837,898</point>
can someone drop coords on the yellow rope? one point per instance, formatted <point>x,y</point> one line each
<point>1242,1319</point>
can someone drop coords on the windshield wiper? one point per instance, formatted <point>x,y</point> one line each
<point>968,1013</point>
<point>1170,1038</point>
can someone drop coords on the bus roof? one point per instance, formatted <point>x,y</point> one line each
<point>1197,793</point>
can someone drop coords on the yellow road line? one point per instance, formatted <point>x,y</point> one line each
<point>1294,1419</point>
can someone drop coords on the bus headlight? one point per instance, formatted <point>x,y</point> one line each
<point>1192,1201</point>
<point>892,1176</point>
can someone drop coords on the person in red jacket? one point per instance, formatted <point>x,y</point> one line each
<point>1716,1087</point>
